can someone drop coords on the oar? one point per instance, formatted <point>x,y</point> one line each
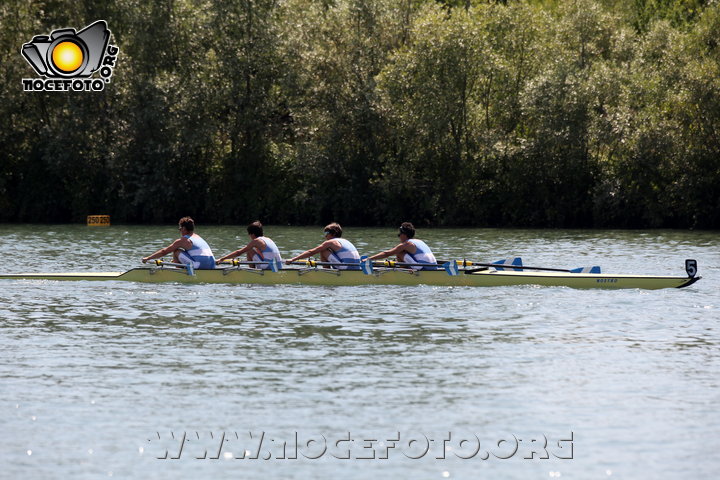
<point>313,263</point>
<point>186,266</point>
<point>450,267</point>
<point>467,263</point>
<point>162,263</point>
<point>366,265</point>
<point>274,264</point>
<point>515,263</point>
<point>235,262</point>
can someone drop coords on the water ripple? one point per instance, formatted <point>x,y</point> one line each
<point>100,367</point>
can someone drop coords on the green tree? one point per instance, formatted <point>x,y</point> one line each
<point>335,52</point>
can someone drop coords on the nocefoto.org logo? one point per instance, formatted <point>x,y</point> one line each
<point>67,59</point>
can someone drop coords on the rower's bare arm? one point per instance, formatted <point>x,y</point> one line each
<point>158,254</point>
<point>313,251</point>
<point>389,253</point>
<point>179,243</point>
<point>229,256</point>
<point>236,253</point>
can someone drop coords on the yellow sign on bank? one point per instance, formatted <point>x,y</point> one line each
<point>98,220</point>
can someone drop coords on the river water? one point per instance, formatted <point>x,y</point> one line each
<point>99,379</point>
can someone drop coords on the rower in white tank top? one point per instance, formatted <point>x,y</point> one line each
<point>259,249</point>
<point>199,255</point>
<point>346,254</point>
<point>410,250</point>
<point>190,248</point>
<point>334,250</point>
<point>422,255</point>
<point>267,254</point>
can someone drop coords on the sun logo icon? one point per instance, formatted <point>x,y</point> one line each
<point>67,57</point>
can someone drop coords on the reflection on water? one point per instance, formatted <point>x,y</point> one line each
<point>101,367</point>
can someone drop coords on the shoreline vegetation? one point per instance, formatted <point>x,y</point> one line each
<point>527,114</point>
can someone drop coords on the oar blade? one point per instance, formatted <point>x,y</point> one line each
<point>451,268</point>
<point>366,265</point>
<point>593,269</point>
<point>515,261</point>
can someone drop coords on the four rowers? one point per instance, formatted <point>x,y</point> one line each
<point>191,248</point>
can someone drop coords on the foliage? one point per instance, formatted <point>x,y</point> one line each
<point>528,113</point>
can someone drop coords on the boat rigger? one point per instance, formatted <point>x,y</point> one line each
<point>383,273</point>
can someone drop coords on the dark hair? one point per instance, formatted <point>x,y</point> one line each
<point>408,229</point>
<point>255,228</point>
<point>335,229</point>
<point>187,223</point>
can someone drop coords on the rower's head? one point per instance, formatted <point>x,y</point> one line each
<point>186,225</point>
<point>407,231</point>
<point>333,230</point>
<point>255,229</point>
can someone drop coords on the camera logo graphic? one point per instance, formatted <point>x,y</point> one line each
<point>67,59</point>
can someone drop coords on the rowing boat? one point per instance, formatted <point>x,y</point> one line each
<point>477,277</point>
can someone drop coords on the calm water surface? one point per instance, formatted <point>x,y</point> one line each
<point>99,379</point>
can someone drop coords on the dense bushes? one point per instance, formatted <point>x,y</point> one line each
<point>527,113</point>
